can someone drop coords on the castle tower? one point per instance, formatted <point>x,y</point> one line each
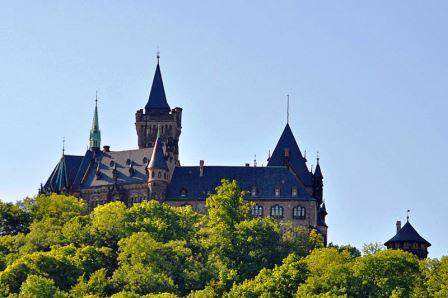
<point>158,172</point>
<point>95,133</point>
<point>409,240</point>
<point>158,114</point>
<point>318,183</point>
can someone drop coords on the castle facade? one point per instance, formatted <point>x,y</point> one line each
<point>284,189</point>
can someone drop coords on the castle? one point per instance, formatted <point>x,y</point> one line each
<point>284,189</point>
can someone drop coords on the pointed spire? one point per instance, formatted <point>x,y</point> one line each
<point>157,99</point>
<point>318,171</point>
<point>157,158</point>
<point>95,133</point>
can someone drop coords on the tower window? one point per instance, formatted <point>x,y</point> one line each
<point>277,191</point>
<point>128,162</point>
<point>153,174</point>
<point>294,191</point>
<point>112,163</point>
<point>159,175</point>
<point>257,211</point>
<point>277,211</point>
<point>299,212</point>
<point>145,160</point>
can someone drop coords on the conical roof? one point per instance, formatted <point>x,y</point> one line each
<point>409,234</point>
<point>318,171</point>
<point>158,159</point>
<point>296,159</point>
<point>157,98</point>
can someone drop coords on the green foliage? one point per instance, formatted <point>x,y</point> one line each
<point>38,287</point>
<point>51,247</point>
<point>13,219</point>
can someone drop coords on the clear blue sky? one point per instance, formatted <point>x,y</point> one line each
<point>368,86</point>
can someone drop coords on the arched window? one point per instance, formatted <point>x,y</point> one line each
<point>159,174</point>
<point>112,163</point>
<point>277,211</point>
<point>277,191</point>
<point>294,191</point>
<point>257,211</point>
<point>299,212</point>
<point>128,162</point>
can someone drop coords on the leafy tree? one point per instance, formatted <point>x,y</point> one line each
<point>13,219</point>
<point>59,207</point>
<point>329,273</point>
<point>96,285</point>
<point>38,287</point>
<point>77,230</point>
<point>108,223</point>
<point>372,248</point>
<point>281,281</point>
<point>436,276</point>
<point>386,273</point>
<point>354,252</point>
<point>161,221</point>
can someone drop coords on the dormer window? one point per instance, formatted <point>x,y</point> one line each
<point>254,191</point>
<point>277,211</point>
<point>145,160</point>
<point>112,163</point>
<point>294,191</point>
<point>299,212</point>
<point>257,211</point>
<point>277,191</point>
<point>183,192</point>
<point>128,162</point>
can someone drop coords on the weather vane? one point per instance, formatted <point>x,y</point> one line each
<point>407,217</point>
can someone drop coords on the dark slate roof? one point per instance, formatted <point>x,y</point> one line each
<point>158,158</point>
<point>409,234</point>
<point>64,173</point>
<point>157,98</point>
<point>322,212</point>
<point>120,159</point>
<point>296,160</point>
<point>318,172</point>
<point>265,179</point>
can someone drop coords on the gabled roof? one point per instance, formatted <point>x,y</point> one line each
<point>296,159</point>
<point>409,234</point>
<point>264,179</point>
<point>63,175</point>
<point>157,98</point>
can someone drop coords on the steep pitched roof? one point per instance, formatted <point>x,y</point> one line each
<point>157,158</point>
<point>318,171</point>
<point>265,179</point>
<point>409,234</point>
<point>64,173</point>
<point>157,98</point>
<point>296,159</point>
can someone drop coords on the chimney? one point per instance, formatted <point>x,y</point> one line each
<point>201,168</point>
<point>398,226</point>
<point>106,148</point>
<point>246,165</point>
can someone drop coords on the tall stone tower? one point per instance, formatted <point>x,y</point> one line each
<point>158,114</point>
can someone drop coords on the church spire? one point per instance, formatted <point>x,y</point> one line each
<point>157,99</point>
<point>95,133</point>
<point>318,171</point>
<point>158,158</point>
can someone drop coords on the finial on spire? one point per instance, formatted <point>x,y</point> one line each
<point>287,108</point>
<point>318,158</point>
<point>158,55</point>
<point>255,160</point>
<point>63,146</point>
<point>407,217</point>
<point>96,97</point>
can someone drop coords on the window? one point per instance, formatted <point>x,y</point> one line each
<point>257,211</point>
<point>152,174</point>
<point>294,191</point>
<point>299,212</point>
<point>128,162</point>
<point>183,192</point>
<point>277,211</point>
<point>159,174</point>
<point>277,191</point>
<point>112,163</point>
<point>254,191</point>
<point>145,160</point>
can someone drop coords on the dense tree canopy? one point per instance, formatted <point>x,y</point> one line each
<point>51,246</point>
